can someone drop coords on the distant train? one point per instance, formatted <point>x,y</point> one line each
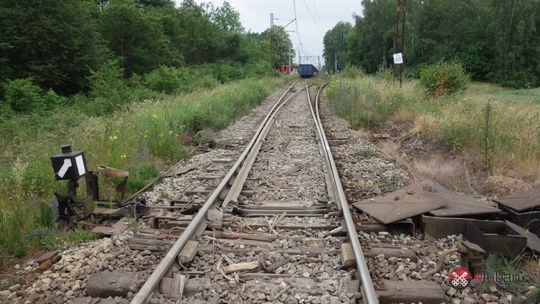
<point>307,70</point>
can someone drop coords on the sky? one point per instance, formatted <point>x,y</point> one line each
<point>314,17</point>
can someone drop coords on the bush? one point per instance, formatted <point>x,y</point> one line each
<point>163,79</point>
<point>108,89</point>
<point>23,96</point>
<point>352,71</point>
<point>444,78</point>
<point>177,80</point>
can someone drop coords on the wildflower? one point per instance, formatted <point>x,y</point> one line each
<point>113,137</point>
<point>145,134</point>
<point>154,116</point>
<point>170,132</point>
<point>123,156</point>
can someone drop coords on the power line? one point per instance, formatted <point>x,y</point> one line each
<point>312,17</point>
<point>317,13</point>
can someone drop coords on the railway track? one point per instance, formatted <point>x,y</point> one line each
<point>272,228</point>
<point>263,218</point>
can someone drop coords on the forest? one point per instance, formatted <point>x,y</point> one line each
<point>495,41</point>
<point>77,52</point>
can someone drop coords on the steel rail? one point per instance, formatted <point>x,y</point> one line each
<point>369,295</point>
<point>146,291</point>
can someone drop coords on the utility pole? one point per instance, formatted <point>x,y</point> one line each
<point>319,60</point>
<point>272,43</point>
<point>399,41</point>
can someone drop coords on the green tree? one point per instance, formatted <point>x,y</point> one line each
<point>227,18</point>
<point>280,48</point>
<point>53,42</point>
<point>493,40</point>
<point>335,46</point>
<point>135,34</point>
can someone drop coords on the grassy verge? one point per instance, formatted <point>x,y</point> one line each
<point>142,139</point>
<point>496,129</point>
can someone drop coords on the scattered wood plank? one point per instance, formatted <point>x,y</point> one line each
<point>246,236</point>
<point>178,171</point>
<point>173,287</point>
<point>242,266</point>
<point>187,253</point>
<point>278,264</point>
<point>117,228</point>
<point>391,252</point>
<point>263,276</point>
<point>427,292</point>
<point>234,242</point>
<point>296,168</point>
<point>347,256</point>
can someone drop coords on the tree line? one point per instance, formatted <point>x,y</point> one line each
<point>62,45</point>
<point>496,41</point>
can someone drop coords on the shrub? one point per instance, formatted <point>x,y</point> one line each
<point>23,96</point>
<point>140,175</point>
<point>352,71</point>
<point>444,78</point>
<point>163,79</point>
<point>176,80</point>
<point>108,89</point>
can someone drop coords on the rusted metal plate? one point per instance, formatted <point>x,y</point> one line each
<point>459,204</point>
<point>527,220</point>
<point>533,241</point>
<point>427,292</point>
<point>425,197</point>
<point>492,236</point>
<point>407,202</point>
<point>521,201</point>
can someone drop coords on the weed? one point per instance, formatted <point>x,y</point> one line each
<point>7,282</point>
<point>143,139</point>
<point>493,128</point>
<point>80,235</point>
<point>533,297</point>
<point>488,144</point>
<point>365,153</point>
<point>385,184</point>
<point>134,223</point>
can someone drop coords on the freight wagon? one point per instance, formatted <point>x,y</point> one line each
<point>307,70</point>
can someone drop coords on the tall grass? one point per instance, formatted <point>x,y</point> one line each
<point>142,139</point>
<point>496,129</point>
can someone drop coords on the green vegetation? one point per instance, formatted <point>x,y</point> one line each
<point>365,153</point>
<point>496,129</point>
<point>533,297</point>
<point>105,54</point>
<point>444,78</point>
<point>363,103</point>
<point>497,41</point>
<point>141,139</point>
<point>122,80</point>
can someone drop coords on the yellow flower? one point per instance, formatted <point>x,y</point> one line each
<point>123,156</point>
<point>113,137</point>
<point>154,116</point>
